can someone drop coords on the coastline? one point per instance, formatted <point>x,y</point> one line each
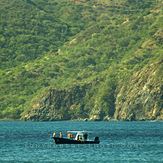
<point>79,120</point>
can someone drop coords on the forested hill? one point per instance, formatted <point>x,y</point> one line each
<point>77,59</point>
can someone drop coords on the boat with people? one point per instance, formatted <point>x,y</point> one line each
<point>75,137</point>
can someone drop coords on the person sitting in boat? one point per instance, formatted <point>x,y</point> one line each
<point>70,136</point>
<point>78,138</point>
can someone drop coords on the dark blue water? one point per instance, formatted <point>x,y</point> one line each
<point>120,142</point>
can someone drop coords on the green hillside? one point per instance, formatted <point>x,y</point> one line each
<point>29,28</point>
<point>98,59</point>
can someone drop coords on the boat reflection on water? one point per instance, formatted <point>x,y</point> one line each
<point>75,137</point>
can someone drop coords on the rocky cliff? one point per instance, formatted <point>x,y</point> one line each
<point>60,105</point>
<point>139,98</point>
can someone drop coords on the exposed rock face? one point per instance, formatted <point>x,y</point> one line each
<point>140,98</point>
<point>59,105</point>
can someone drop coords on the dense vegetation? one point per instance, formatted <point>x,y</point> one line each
<point>70,59</point>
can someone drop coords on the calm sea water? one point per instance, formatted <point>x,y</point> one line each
<point>120,142</point>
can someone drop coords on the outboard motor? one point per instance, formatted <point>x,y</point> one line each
<point>97,139</point>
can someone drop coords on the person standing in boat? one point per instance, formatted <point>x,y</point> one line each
<point>60,135</point>
<point>54,134</point>
<point>85,136</point>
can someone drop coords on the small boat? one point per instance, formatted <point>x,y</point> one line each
<point>75,137</point>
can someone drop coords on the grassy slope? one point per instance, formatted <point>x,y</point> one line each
<point>109,45</point>
<point>28,30</point>
<point>31,28</point>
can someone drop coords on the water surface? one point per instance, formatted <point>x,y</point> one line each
<point>120,142</point>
